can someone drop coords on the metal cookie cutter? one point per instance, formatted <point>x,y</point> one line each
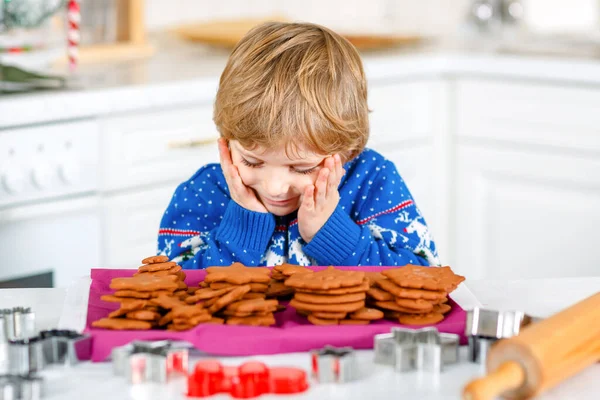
<point>26,356</point>
<point>19,323</point>
<point>66,347</point>
<point>334,365</point>
<point>150,361</point>
<point>21,387</point>
<point>484,327</point>
<point>422,349</point>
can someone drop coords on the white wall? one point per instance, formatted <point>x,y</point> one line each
<point>428,17</point>
<point>425,17</point>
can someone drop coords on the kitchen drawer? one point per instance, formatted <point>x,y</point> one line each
<point>157,146</point>
<point>529,113</point>
<point>400,111</point>
<point>131,223</point>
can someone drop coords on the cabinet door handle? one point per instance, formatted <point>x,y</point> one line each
<point>191,143</point>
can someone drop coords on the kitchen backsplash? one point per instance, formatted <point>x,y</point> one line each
<point>427,17</point>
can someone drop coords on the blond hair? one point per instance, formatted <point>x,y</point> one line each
<point>294,83</point>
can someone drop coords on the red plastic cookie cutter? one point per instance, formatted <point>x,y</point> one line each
<point>250,379</point>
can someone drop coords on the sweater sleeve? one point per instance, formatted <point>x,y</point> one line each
<point>387,230</point>
<point>199,231</point>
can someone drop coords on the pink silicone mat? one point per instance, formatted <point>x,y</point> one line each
<point>292,333</point>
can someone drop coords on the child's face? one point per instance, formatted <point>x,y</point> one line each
<point>277,179</point>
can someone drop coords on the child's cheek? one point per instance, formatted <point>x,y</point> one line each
<point>248,175</point>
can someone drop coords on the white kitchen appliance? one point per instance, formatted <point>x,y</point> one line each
<point>49,218</point>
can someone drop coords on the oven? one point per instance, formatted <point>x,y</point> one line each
<point>50,224</point>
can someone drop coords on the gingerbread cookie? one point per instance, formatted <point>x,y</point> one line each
<point>278,289</point>
<point>420,319</point>
<point>132,294</point>
<point>418,277</point>
<point>145,283</point>
<point>155,260</point>
<point>329,299</point>
<point>157,267</point>
<point>237,274</point>
<point>291,269</point>
<point>329,278</point>
<point>253,305</point>
<point>363,287</point>
<point>369,314</point>
<point>374,277</point>
<point>171,271</point>
<point>419,304</point>
<point>122,324</point>
<point>409,293</point>
<point>380,295</point>
<point>345,307</point>
<point>254,287</point>
<point>330,315</point>
<point>229,298</point>
<point>166,302</point>
<point>441,308</point>
<point>252,295</point>
<point>392,305</point>
<point>143,315</point>
<point>261,320</point>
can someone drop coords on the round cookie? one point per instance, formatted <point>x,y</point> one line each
<point>420,319</point>
<point>368,314</point>
<point>329,299</point>
<point>344,307</point>
<point>416,304</point>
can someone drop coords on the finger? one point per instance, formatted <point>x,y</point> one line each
<point>308,199</point>
<point>321,186</point>
<point>339,168</point>
<point>334,178</point>
<point>236,179</point>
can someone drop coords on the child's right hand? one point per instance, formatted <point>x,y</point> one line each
<point>240,193</point>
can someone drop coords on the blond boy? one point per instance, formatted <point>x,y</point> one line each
<point>295,182</point>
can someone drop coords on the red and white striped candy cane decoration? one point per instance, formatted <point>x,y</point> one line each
<point>73,36</point>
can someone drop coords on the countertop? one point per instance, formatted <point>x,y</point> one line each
<point>183,73</point>
<point>540,297</point>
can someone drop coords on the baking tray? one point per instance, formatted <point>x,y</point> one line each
<point>292,333</point>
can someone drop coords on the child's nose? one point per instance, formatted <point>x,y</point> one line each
<point>276,186</point>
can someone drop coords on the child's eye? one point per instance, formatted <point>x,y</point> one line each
<point>249,164</point>
<point>306,171</point>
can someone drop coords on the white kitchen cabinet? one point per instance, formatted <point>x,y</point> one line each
<point>157,146</point>
<point>529,113</point>
<point>405,129</point>
<point>523,214</point>
<point>130,225</point>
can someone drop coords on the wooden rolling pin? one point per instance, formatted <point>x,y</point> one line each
<point>542,355</point>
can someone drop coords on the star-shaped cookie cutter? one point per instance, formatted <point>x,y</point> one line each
<point>150,361</point>
<point>423,349</point>
<point>334,364</point>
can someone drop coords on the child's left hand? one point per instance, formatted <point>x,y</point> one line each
<point>320,200</point>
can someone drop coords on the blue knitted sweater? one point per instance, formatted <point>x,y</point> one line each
<point>376,223</point>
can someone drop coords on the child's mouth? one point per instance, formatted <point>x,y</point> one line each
<point>278,203</point>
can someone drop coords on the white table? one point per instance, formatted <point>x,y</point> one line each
<point>537,297</point>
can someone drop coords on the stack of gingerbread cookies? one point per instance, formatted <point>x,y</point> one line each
<point>413,295</point>
<point>237,294</point>
<point>279,274</point>
<point>332,296</point>
<point>137,295</point>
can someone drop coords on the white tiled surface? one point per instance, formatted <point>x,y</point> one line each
<point>540,297</point>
